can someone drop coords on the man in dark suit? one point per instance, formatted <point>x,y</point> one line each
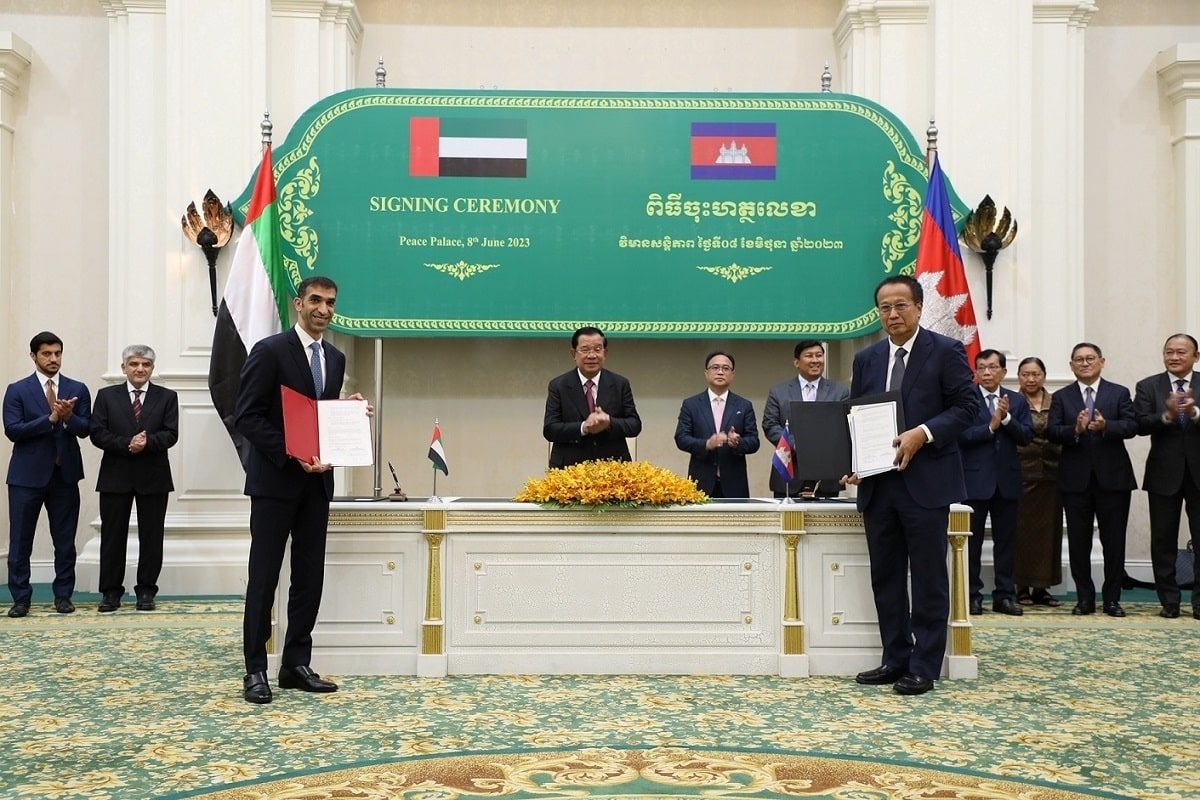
<point>719,430</point>
<point>906,511</point>
<point>45,416</point>
<point>1092,418</point>
<point>1166,411</point>
<point>134,423</point>
<point>809,384</point>
<point>287,496</point>
<point>992,471</point>
<point>589,411</point>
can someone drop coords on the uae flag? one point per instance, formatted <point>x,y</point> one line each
<point>436,454</point>
<point>255,301</point>
<point>947,308</point>
<point>478,148</point>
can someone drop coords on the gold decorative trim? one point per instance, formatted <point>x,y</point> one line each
<point>392,519</point>
<point>616,519</point>
<point>907,216</point>
<point>792,520</point>
<point>293,212</point>
<point>434,519</point>
<point>734,272</point>
<point>960,624</point>
<point>793,639</point>
<point>432,636</point>
<point>793,630</point>
<point>960,522</point>
<point>462,270</point>
<point>960,639</point>
<point>836,519</point>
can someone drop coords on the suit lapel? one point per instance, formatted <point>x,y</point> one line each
<point>300,359</point>
<point>916,359</point>
<point>578,398</point>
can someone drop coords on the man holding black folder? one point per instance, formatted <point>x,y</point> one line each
<point>809,385</point>
<point>288,497</point>
<point>906,511</point>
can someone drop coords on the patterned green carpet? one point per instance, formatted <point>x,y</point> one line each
<point>138,705</point>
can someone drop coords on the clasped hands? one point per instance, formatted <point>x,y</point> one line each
<point>1178,404</point>
<point>999,414</point>
<point>1094,422</point>
<point>597,421</point>
<point>316,465</point>
<point>722,438</point>
<point>62,409</point>
<point>907,444</point>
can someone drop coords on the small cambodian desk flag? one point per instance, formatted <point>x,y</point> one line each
<point>436,454</point>
<point>782,460</point>
<point>947,308</point>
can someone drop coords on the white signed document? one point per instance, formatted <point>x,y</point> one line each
<point>344,433</point>
<point>872,431</point>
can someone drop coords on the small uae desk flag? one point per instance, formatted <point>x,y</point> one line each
<point>438,457</point>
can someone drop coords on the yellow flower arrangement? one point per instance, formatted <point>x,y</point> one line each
<point>601,484</point>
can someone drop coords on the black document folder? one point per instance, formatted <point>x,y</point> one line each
<point>822,435</point>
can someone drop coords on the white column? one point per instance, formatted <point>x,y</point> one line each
<point>15,57</point>
<point>1050,317</point>
<point>316,50</point>
<point>1179,78</point>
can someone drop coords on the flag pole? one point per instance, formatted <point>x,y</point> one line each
<point>433,498</point>
<point>787,485</point>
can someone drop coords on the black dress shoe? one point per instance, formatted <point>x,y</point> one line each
<point>63,605</point>
<point>975,606</point>
<point>1170,611</point>
<point>1114,610</point>
<point>1007,606</point>
<point>256,689</point>
<point>304,678</point>
<point>879,675</point>
<point>110,603</point>
<point>145,602</point>
<point>912,684</point>
<point>1082,609</point>
<point>22,609</point>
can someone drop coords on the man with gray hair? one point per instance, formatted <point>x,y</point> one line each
<point>134,423</point>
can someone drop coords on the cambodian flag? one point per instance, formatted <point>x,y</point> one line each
<point>782,460</point>
<point>947,308</point>
<point>733,151</point>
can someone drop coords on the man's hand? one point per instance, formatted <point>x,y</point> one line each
<point>716,440</point>
<point>1098,423</point>
<point>999,414</point>
<point>597,421</point>
<point>358,396</point>
<point>850,480</point>
<point>1081,423</point>
<point>138,443</point>
<point>732,438</point>
<point>62,409</point>
<point>314,466</point>
<point>907,444</point>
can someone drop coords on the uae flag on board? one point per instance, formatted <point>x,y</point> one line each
<point>947,308</point>
<point>452,147</point>
<point>436,454</point>
<point>733,151</point>
<point>255,301</point>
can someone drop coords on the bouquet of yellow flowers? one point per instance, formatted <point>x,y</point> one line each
<point>603,484</point>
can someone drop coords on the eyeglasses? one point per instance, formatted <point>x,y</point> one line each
<point>899,308</point>
<point>1085,360</point>
<point>988,368</point>
<point>719,368</point>
<point>587,351</point>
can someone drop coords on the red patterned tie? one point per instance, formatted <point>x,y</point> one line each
<point>591,397</point>
<point>137,405</point>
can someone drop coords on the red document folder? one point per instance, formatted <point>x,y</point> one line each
<point>300,437</point>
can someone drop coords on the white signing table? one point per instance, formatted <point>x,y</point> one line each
<point>476,587</point>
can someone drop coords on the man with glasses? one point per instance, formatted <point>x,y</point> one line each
<point>718,428</point>
<point>992,470</point>
<point>808,385</point>
<point>1166,411</point>
<point>906,511</point>
<point>1091,419</point>
<point>589,410</point>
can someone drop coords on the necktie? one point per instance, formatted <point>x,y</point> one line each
<point>717,408</point>
<point>137,405</point>
<point>314,364</point>
<point>1182,395</point>
<point>898,371</point>
<point>588,392</point>
<point>51,397</point>
<point>809,392</point>
<point>992,403</point>
<point>1089,402</point>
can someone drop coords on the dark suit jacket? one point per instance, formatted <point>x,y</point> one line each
<point>566,409</point>
<point>113,425</point>
<point>694,428</point>
<point>938,392</point>
<point>1103,455</point>
<point>777,411</point>
<point>276,361</point>
<point>37,442</point>
<point>990,461</point>
<point>1172,446</point>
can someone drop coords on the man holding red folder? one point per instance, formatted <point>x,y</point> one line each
<point>288,497</point>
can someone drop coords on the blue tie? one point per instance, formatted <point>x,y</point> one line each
<point>1090,404</point>
<point>315,364</point>
<point>1181,397</point>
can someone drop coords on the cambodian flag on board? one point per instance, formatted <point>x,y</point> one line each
<point>947,309</point>
<point>733,151</point>
<point>782,459</point>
